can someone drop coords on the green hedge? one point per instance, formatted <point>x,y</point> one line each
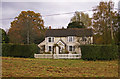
<point>18,50</point>
<point>101,52</point>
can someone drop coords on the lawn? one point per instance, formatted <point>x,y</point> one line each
<point>31,67</point>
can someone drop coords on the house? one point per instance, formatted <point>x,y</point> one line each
<point>61,41</point>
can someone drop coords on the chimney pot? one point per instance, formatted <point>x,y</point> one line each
<point>49,27</point>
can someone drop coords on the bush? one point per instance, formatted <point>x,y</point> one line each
<point>46,53</point>
<point>99,52</point>
<point>18,50</point>
<point>74,52</point>
<point>66,52</point>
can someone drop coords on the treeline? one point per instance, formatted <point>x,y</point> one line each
<point>28,27</point>
<point>28,30</point>
<point>104,22</point>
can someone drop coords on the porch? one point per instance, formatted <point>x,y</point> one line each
<point>58,56</point>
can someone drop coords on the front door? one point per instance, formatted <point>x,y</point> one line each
<point>57,50</point>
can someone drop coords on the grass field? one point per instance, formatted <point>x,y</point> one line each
<point>30,67</point>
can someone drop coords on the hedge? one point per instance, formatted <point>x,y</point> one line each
<point>99,52</point>
<point>18,50</point>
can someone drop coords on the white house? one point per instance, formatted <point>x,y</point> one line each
<point>59,41</point>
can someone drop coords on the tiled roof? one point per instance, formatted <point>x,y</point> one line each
<point>68,32</point>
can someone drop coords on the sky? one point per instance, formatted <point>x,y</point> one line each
<point>12,8</point>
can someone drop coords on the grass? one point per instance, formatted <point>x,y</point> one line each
<point>31,67</point>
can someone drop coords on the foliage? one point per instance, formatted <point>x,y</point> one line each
<point>117,41</point>
<point>80,17</point>
<point>76,25</point>
<point>101,39</point>
<point>56,45</point>
<point>74,52</point>
<point>4,36</point>
<point>46,53</point>
<point>19,50</point>
<point>66,52</point>
<point>27,28</point>
<point>103,18</point>
<point>99,52</point>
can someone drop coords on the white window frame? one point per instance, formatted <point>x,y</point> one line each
<point>51,48</point>
<point>73,48</point>
<point>52,39</point>
<point>70,38</point>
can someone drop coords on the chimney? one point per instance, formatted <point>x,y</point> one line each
<point>63,28</point>
<point>49,27</point>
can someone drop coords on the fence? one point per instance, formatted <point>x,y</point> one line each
<point>58,56</point>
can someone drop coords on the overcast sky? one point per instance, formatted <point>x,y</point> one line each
<point>12,8</point>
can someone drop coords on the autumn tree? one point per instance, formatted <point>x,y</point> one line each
<point>105,22</point>
<point>119,26</point>
<point>80,20</point>
<point>27,28</point>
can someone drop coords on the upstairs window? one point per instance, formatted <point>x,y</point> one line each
<point>70,39</point>
<point>50,39</point>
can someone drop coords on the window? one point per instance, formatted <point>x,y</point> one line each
<point>49,48</point>
<point>84,39</point>
<point>72,48</point>
<point>50,39</point>
<point>70,39</point>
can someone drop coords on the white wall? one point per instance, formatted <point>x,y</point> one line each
<point>65,40</point>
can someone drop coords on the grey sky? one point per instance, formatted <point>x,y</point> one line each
<point>13,9</point>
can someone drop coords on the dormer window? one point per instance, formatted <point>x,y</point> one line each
<point>50,39</point>
<point>70,39</point>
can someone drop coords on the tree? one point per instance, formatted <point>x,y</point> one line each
<point>118,33</point>
<point>4,36</point>
<point>76,25</point>
<point>80,20</point>
<point>105,21</point>
<point>27,28</point>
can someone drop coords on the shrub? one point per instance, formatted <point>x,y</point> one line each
<point>99,52</point>
<point>18,50</point>
<point>66,52</point>
<point>46,53</point>
<point>74,52</point>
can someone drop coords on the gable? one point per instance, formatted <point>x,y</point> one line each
<point>60,42</point>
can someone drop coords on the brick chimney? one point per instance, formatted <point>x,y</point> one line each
<point>49,27</point>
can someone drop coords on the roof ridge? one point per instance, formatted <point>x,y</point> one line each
<point>69,32</point>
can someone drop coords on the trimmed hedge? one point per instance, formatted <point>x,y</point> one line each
<point>99,52</point>
<point>18,50</point>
